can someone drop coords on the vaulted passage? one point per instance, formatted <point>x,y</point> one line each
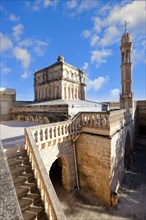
<point>56,173</point>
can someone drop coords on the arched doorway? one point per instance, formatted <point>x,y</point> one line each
<point>60,175</point>
<point>127,155</point>
<point>56,173</point>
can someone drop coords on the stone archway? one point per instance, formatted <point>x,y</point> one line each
<point>127,154</point>
<point>59,174</point>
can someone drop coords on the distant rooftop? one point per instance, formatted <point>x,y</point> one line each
<point>7,91</point>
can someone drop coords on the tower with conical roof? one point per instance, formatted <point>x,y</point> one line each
<point>126,97</point>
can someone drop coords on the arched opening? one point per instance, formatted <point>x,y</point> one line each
<point>56,173</point>
<point>127,155</point>
<point>60,175</point>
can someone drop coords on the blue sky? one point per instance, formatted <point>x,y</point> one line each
<point>86,32</point>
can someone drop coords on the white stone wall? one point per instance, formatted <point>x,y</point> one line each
<point>65,152</point>
<point>118,145</point>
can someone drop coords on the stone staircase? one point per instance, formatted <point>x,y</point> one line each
<point>25,184</point>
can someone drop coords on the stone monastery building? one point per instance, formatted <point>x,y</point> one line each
<point>89,143</point>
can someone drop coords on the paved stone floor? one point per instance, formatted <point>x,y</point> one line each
<point>132,197</point>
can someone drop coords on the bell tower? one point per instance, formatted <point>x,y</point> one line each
<point>126,97</point>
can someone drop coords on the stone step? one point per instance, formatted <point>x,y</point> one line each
<point>15,154</point>
<point>31,186</point>
<point>21,191</point>
<point>20,180</point>
<point>23,160</point>
<point>24,203</point>
<point>17,172</point>
<point>39,211</point>
<point>27,167</point>
<point>35,198</point>
<point>25,185</point>
<point>29,176</point>
<point>12,150</point>
<point>43,217</point>
<point>29,215</point>
<point>15,163</point>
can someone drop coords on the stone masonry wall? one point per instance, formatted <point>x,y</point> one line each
<point>118,145</point>
<point>65,152</point>
<point>93,155</point>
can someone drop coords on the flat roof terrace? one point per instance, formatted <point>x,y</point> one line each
<point>12,132</point>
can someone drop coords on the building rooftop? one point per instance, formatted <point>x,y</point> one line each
<point>7,91</point>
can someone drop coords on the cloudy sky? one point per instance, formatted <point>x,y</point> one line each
<point>86,32</point>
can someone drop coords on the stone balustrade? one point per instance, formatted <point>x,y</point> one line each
<point>48,195</point>
<point>118,119</point>
<point>53,133</point>
<point>103,123</point>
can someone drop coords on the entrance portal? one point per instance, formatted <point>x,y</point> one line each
<point>56,173</point>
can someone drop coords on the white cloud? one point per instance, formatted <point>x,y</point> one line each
<point>13,17</point>
<point>98,83</point>
<point>38,46</point>
<point>99,56</point>
<point>48,3</point>
<point>111,36</point>
<point>138,56</point>
<point>98,23</point>
<point>37,5</point>
<point>87,5</point>
<point>5,43</point>
<point>94,39</point>
<point>133,12</point>
<point>86,34</point>
<point>85,68</point>
<point>25,75</point>
<point>115,92</point>
<point>26,43</point>
<point>4,69</point>
<point>23,55</point>
<point>106,8</point>
<point>71,4</point>
<point>18,31</point>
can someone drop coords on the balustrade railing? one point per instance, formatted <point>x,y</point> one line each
<point>48,195</point>
<point>71,128</point>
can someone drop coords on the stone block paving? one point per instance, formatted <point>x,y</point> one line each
<point>132,197</point>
